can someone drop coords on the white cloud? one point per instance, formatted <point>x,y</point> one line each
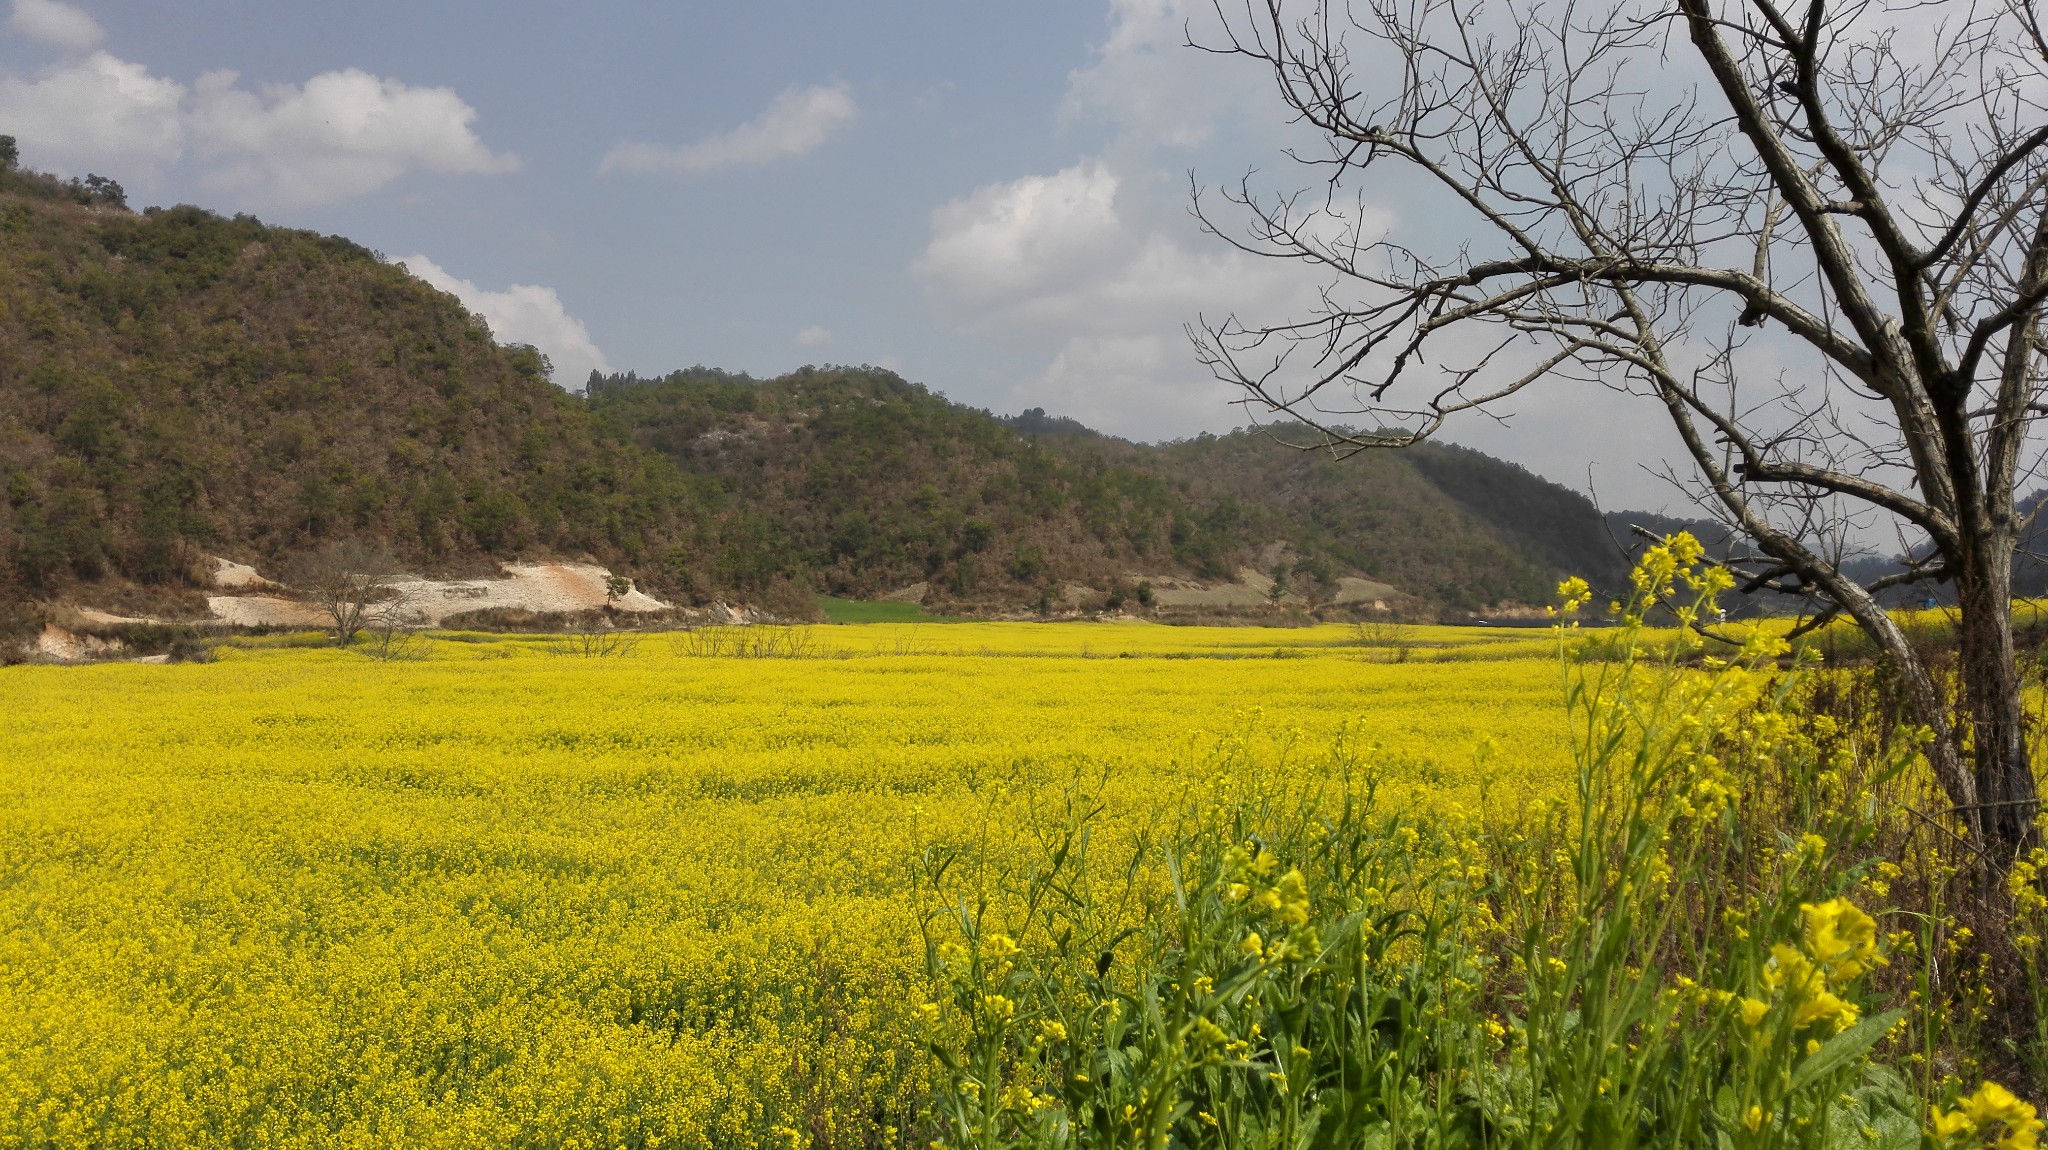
<point>1094,284</point>
<point>524,313</point>
<point>1081,262</point>
<point>813,336</point>
<point>100,113</point>
<point>1012,240</point>
<point>1145,385</point>
<point>58,24</point>
<point>1097,267</point>
<point>342,135</point>
<point>798,121</point>
<point>1058,254</point>
<point>1150,87</point>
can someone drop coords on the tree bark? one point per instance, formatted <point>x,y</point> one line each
<point>1925,698</point>
<point>2006,798</point>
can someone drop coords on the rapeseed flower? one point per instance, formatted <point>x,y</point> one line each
<point>1991,1117</point>
<point>1840,937</point>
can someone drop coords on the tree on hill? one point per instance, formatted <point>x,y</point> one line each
<point>1678,201</point>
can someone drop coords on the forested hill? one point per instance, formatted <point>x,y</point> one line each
<point>1451,525</point>
<point>175,384</point>
<point>857,481</point>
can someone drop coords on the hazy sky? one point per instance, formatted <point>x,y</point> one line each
<point>989,198</point>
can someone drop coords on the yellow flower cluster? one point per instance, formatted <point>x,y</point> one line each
<point>1840,937</point>
<point>1285,902</point>
<point>1664,567</point>
<point>2029,901</point>
<point>1573,594</point>
<point>1992,1117</point>
<point>1840,944</point>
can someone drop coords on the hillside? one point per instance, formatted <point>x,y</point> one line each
<point>857,482</point>
<point>860,482</point>
<point>175,384</point>
<point>1446,524</point>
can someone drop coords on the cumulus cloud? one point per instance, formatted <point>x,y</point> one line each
<point>58,24</point>
<point>1132,384</point>
<point>1092,271</point>
<point>98,112</point>
<point>796,122</point>
<point>813,336</point>
<point>1082,261</point>
<point>1064,253</point>
<point>341,134</point>
<point>1009,241</point>
<point>1097,267</point>
<point>1149,88</point>
<point>524,313</point>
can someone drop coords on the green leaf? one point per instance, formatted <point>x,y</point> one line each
<point>1843,1048</point>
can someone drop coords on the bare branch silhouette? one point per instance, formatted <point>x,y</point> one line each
<point>1813,235</point>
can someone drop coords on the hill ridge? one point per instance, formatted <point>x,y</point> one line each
<point>176,384</point>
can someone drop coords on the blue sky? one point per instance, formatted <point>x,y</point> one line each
<point>989,198</point>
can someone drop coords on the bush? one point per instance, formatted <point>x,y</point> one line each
<point>756,641</point>
<point>514,620</point>
<point>788,601</point>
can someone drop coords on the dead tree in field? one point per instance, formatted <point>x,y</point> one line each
<point>354,584</point>
<point>1815,235</point>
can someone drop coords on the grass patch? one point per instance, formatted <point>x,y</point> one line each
<point>865,611</point>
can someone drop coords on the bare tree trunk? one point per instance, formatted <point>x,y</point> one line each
<point>2006,800</point>
<point>1925,698</point>
<point>1981,762</point>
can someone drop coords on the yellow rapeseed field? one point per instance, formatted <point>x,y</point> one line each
<point>499,894</point>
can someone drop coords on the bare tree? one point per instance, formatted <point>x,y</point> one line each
<point>595,638</point>
<point>354,584</point>
<point>393,622</point>
<point>1814,234</point>
<point>1386,632</point>
<point>751,641</point>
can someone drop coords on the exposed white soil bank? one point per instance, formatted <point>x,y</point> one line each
<point>1351,589</point>
<point>229,575</point>
<point>59,645</point>
<point>1253,589</point>
<point>538,587</point>
<point>1168,591</point>
<point>541,587</point>
<point>264,611</point>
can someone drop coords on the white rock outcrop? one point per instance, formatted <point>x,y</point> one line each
<point>538,587</point>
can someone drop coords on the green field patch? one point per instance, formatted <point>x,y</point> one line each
<point>875,611</point>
